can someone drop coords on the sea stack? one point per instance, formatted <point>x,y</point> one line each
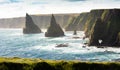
<point>54,29</point>
<point>30,26</point>
<point>75,32</point>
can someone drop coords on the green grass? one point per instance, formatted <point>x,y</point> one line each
<point>39,64</point>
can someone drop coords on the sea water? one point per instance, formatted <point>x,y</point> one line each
<point>13,43</point>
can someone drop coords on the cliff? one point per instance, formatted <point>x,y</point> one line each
<point>41,20</point>
<point>99,25</point>
<point>70,25</point>
<point>54,30</point>
<point>30,27</point>
<point>18,22</point>
<point>77,23</point>
<point>92,17</point>
<point>106,28</point>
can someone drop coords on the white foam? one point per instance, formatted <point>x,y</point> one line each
<point>11,29</point>
<point>16,34</point>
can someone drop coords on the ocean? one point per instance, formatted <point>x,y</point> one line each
<point>13,43</point>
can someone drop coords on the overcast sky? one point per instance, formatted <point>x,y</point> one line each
<point>17,8</point>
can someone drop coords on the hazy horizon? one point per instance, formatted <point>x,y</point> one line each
<point>18,8</point>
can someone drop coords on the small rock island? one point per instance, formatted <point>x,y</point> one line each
<point>54,29</point>
<point>30,26</point>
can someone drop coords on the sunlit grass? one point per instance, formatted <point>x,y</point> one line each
<point>39,64</point>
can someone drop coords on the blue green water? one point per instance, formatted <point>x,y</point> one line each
<point>13,43</point>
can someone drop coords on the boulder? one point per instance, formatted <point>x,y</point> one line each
<point>54,29</point>
<point>30,26</point>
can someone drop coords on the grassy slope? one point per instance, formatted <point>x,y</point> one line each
<point>39,64</point>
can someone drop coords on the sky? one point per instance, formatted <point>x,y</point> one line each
<point>19,8</point>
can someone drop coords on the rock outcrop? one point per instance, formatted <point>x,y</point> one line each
<point>106,28</point>
<point>54,29</point>
<point>30,27</point>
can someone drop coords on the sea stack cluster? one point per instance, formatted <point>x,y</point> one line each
<point>54,29</point>
<point>99,25</point>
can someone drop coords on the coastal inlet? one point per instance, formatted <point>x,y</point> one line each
<point>13,43</point>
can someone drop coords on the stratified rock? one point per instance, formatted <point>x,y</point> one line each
<point>54,29</point>
<point>30,27</point>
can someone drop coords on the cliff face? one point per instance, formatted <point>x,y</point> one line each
<point>44,20</point>
<point>12,22</point>
<point>54,29</point>
<point>30,26</point>
<point>77,23</point>
<point>92,17</point>
<point>40,20</point>
<point>70,25</point>
<point>106,28</point>
<point>96,32</point>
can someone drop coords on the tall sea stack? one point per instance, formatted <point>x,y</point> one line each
<point>30,26</point>
<point>54,29</point>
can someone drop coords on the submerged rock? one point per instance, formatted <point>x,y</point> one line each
<point>54,29</point>
<point>30,26</point>
<point>62,45</point>
<point>76,37</point>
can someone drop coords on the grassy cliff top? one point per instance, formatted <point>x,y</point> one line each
<point>39,64</point>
